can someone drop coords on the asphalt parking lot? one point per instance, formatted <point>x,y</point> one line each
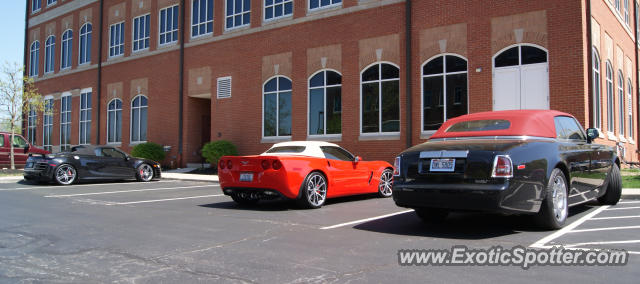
<point>188,232</point>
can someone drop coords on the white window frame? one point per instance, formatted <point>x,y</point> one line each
<point>51,2</point>
<point>621,116</point>
<point>168,28</point>
<point>324,97</point>
<point>273,6</point>
<point>109,141</point>
<point>320,7</point>
<point>117,46</point>
<point>49,54</point>
<point>34,57</point>
<point>32,121</point>
<point>610,99</point>
<point>47,122</point>
<point>86,124</point>
<point>206,21</point>
<point>39,6</point>
<point>626,12</point>
<point>277,92</point>
<point>234,14</point>
<point>86,37</point>
<point>597,90</point>
<point>630,109</point>
<point>444,87</point>
<point>145,38</point>
<point>63,111</point>
<point>131,121</point>
<point>66,45</point>
<point>380,81</point>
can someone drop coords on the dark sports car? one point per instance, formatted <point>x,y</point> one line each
<point>523,162</point>
<point>86,163</point>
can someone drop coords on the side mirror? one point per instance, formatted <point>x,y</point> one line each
<point>127,158</point>
<point>592,134</point>
<point>27,148</point>
<point>357,159</point>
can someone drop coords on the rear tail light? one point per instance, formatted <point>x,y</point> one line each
<point>265,164</point>
<point>396,167</point>
<point>502,167</point>
<point>221,165</point>
<point>277,165</point>
<point>229,165</point>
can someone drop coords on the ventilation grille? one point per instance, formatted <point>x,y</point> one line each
<point>224,88</point>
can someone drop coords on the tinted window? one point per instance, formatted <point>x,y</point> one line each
<point>287,149</point>
<point>19,142</point>
<point>532,55</point>
<point>1,140</point>
<point>508,57</point>
<point>113,153</point>
<point>479,125</point>
<point>568,128</point>
<point>336,153</point>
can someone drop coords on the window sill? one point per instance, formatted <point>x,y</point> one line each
<point>631,141</point>
<point>167,44</point>
<point>612,136</point>
<point>379,136</point>
<point>133,52</point>
<point>328,138</point>
<point>427,134</point>
<point>201,37</point>
<point>114,143</point>
<point>266,22</point>
<point>236,29</point>
<point>134,143</point>
<point>622,139</point>
<point>312,11</point>
<point>275,139</point>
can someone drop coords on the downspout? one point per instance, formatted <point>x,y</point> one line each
<point>590,90</point>
<point>408,72</point>
<point>25,52</point>
<point>181,85</point>
<point>635,10</point>
<point>99,88</point>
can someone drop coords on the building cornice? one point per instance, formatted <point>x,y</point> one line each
<point>63,9</point>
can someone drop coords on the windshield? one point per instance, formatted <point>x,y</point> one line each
<point>286,149</point>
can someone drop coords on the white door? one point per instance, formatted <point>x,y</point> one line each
<point>534,91</point>
<point>522,79</point>
<point>506,88</point>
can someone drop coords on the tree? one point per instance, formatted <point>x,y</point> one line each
<point>18,95</point>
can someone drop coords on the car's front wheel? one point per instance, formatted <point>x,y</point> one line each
<point>614,188</point>
<point>65,174</point>
<point>314,190</point>
<point>144,173</point>
<point>386,182</point>
<point>554,210</point>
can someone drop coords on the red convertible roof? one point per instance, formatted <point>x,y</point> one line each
<point>537,123</point>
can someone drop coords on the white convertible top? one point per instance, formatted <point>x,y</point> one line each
<point>312,148</point>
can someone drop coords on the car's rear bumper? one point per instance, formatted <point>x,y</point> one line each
<point>507,197</point>
<point>41,175</point>
<point>254,193</point>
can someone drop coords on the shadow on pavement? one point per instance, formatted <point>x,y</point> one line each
<point>284,205</point>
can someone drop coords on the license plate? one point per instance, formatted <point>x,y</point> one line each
<point>29,165</point>
<point>442,165</point>
<point>246,177</point>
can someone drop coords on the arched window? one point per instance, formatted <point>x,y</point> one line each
<point>34,58</point>
<point>65,122</point>
<point>621,119</point>
<point>380,102</point>
<point>626,12</point>
<point>276,119</point>
<point>49,53</point>
<point>47,123</point>
<point>609,86</point>
<point>325,103</point>
<point>630,107</point>
<point>139,119</point>
<point>444,90</point>
<point>31,123</point>
<point>85,44</point>
<point>597,91</point>
<point>114,121</point>
<point>66,51</point>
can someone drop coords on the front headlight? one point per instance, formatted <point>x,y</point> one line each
<point>396,166</point>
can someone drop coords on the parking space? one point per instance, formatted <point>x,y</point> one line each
<point>177,231</point>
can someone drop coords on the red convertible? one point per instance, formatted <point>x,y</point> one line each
<point>307,171</point>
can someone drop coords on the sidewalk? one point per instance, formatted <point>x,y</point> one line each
<point>183,174</point>
<point>631,193</point>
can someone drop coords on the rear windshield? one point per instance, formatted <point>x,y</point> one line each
<point>479,125</point>
<point>287,149</point>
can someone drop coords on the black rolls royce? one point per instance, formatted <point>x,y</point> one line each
<point>518,162</point>
<point>86,163</point>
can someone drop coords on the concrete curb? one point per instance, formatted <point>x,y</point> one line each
<point>190,177</point>
<point>631,193</point>
<point>10,179</point>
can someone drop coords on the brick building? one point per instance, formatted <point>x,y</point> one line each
<point>257,72</point>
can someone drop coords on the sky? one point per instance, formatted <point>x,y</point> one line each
<point>12,30</point>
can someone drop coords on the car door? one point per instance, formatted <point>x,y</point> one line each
<point>574,149</point>
<point>117,164</point>
<point>19,144</point>
<point>347,177</point>
<point>4,152</point>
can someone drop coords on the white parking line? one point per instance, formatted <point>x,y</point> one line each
<point>74,186</point>
<point>624,208</point>
<point>628,202</point>
<point>168,199</point>
<point>605,229</point>
<point>602,243</point>
<point>365,220</point>
<point>542,243</point>
<point>126,191</point>
<point>616,217</point>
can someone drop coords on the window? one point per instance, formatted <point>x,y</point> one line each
<point>223,88</point>
<point>316,4</point>
<point>51,2</point>
<point>630,107</point>
<point>597,95</point>
<point>139,119</point>
<point>444,90</point>
<point>85,44</point>
<point>609,84</point>
<point>287,149</point>
<point>116,39</point>
<point>34,58</point>
<point>238,13</point>
<point>169,25</point>
<point>201,17</point>
<point>380,102</point>
<point>568,128</point>
<point>49,53</point>
<point>275,9</point>
<point>479,125</point>
<point>19,142</point>
<point>325,103</point>
<point>1,140</point>
<point>336,153</point>
<point>47,124</point>
<point>85,118</point>
<point>66,49</point>
<point>616,3</point>
<point>114,121</point>
<point>31,125</point>
<point>36,5</point>
<point>65,123</point>
<point>626,12</point>
<point>141,33</point>
<point>620,104</point>
<point>113,153</point>
<point>277,107</point>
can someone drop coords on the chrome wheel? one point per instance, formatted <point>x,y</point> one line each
<point>386,182</point>
<point>65,174</point>
<point>559,198</point>
<point>146,172</point>
<point>316,190</point>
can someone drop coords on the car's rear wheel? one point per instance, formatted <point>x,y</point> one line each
<point>314,190</point>
<point>244,199</point>
<point>386,182</point>
<point>554,210</point>
<point>614,188</point>
<point>65,174</point>
<point>144,173</point>
<point>432,215</point>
